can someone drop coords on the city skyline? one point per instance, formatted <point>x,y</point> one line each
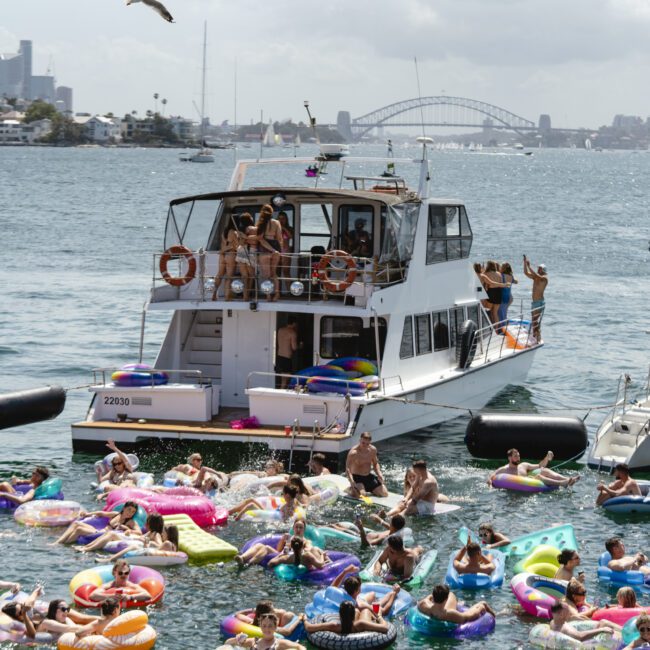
<point>581,63</point>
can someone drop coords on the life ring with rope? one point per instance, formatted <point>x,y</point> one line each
<point>325,268</point>
<point>178,250</point>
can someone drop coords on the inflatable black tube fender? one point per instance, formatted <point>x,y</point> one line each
<point>466,345</point>
<point>355,641</point>
<point>490,435</point>
<point>27,406</point>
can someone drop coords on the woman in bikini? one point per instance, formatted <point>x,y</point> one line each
<point>246,255</point>
<point>227,252</point>
<point>269,237</point>
<point>118,521</point>
<point>269,626</point>
<point>491,279</point>
<point>286,246</point>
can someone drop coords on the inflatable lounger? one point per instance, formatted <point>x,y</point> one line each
<point>199,545</point>
<point>560,537</point>
<point>387,503</point>
<point>420,573</point>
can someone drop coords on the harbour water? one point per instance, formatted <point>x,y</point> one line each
<point>79,227</point>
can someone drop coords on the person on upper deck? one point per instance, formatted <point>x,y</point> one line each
<point>227,252</point>
<point>493,284</point>
<point>540,282</point>
<point>286,248</point>
<point>246,255</point>
<point>508,278</point>
<point>269,237</point>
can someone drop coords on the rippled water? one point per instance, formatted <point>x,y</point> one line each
<point>79,227</point>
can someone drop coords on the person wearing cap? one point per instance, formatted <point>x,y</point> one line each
<point>540,281</point>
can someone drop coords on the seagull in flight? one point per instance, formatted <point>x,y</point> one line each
<point>158,7</point>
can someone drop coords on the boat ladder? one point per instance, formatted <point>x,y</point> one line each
<point>302,446</point>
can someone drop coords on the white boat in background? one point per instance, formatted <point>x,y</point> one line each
<point>205,155</point>
<point>624,435</point>
<point>269,139</point>
<point>378,278</point>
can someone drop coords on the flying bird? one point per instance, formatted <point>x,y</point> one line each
<point>156,6</point>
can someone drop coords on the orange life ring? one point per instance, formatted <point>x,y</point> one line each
<point>176,251</point>
<point>324,269</point>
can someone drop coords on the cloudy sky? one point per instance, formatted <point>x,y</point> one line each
<point>582,61</point>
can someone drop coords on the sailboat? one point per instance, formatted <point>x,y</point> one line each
<point>269,139</point>
<point>205,155</point>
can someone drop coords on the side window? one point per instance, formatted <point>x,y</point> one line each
<point>356,225</point>
<point>423,333</point>
<point>440,330</point>
<point>456,322</point>
<point>473,313</point>
<point>406,347</point>
<point>339,336</point>
<point>449,236</point>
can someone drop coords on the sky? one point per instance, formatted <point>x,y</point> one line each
<point>581,61</point>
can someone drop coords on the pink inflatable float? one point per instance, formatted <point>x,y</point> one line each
<point>174,501</point>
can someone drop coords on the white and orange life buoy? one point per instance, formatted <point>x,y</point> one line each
<point>325,268</point>
<point>178,250</point>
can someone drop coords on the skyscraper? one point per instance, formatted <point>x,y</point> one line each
<point>25,50</point>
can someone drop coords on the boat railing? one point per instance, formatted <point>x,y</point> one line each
<point>645,428</point>
<point>99,375</point>
<point>253,276</point>
<point>507,336</point>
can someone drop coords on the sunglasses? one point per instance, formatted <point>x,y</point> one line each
<point>643,629</point>
<point>63,608</point>
<point>123,573</point>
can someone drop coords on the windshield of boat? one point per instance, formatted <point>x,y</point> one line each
<point>189,223</point>
<point>399,237</point>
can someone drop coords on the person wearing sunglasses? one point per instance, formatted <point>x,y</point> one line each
<point>643,627</point>
<point>60,618</point>
<point>121,473</point>
<point>576,600</point>
<point>490,538</point>
<point>569,560</point>
<point>121,587</point>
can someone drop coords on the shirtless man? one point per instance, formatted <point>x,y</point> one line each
<point>424,493</point>
<point>624,485</point>
<point>120,587</point>
<point>443,605</point>
<point>317,465</point>
<point>547,476</point>
<point>400,561</point>
<point>622,562</point>
<point>361,459</point>
<point>8,491</point>
<point>560,615</point>
<point>540,280</point>
<point>287,339</point>
<point>470,560</point>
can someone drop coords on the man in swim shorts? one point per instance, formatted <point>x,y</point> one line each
<point>540,281</point>
<point>622,562</point>
<point>424,493</point>
<point>624,485</point>
<point>547,476</point>
<point>470,560</point>
<point>361,459</point>
<point>443,605</point>
<point>287,341</point>
<point>401,561</point>
<point>9,492</point>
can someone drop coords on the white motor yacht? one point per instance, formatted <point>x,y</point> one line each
<point>378,279</point>
<point>624,435</point>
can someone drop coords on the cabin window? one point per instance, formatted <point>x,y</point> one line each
<point>356,230</point>
<point>406,347</point>
<point>449,236</point>
<point>339,336</point>
<point>315,227</point>
<point>455,324</point>
<point>399,233</point>
<point>473,313</point>
<point>423,333</point>
<point>189,223</point>
<point>440,330</point>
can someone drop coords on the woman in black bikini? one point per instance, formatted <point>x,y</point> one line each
<point>491,279</point>
<point>118,521</point>
<point>227,252</point>
<point>269,236</point>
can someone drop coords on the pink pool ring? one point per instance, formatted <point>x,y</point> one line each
<point>537,594</point>
<point>505,481</point>
<point>618,615</point>
<point>188,501</point>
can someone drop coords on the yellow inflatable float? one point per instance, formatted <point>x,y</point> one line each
<point>130,630</point>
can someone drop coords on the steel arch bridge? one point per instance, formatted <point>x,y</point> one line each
<point>440,110</point>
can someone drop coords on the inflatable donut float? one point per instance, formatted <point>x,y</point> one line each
<point>85,582</point>
<point>355,641</point>
<point>47,513</point>
<point>129,630</point>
